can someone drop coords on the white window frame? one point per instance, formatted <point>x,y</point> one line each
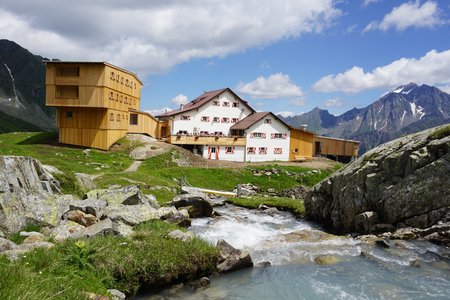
<point>251,150</point>
<point>204,119</point>
<point>262,150</point>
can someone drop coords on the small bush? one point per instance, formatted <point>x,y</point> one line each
<point>69,184</point>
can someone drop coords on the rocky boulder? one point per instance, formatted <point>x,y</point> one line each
<point>400,183</point>
<point>129,195</point>
<point>196,204</point>
<point>232,259</point>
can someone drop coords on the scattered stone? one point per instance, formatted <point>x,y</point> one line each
<point>89,206</point>
<point>81,218</point>
<point>21,250</point>
<point>65,230</point>
<point>231,259</point>
<point>122,229</point>
<point>2,235</point>
<point>86,152</point>
<point>129,195</point>
<point>131,214</point>
<point>298,192</point>
<point>263,264</point>
<point>116,294</point>
<point>383,243</point>
<point>246,189</point>
<point>85,181</point>
<point>202,283</point>
<point>33,239</point>
<point>365,221</point>
<point>104,227</point>
<point>6,245</point>
<point>326,260</point>
<point>182,236</point>
<point>180,218</point>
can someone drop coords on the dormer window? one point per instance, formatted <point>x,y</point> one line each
<point>235,104</point>
<point>226,104</point>
<point>185,118</point>
<point>216,103</point>
<point>267,121</point>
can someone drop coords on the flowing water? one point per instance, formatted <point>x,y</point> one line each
<point>307,263</point>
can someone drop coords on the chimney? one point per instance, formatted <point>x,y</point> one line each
<point>181,106</point>
<point>303,126</point>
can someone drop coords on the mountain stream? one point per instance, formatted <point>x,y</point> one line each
<point>307,263</point>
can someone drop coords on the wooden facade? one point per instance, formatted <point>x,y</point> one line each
<point>327,146</point>
<point>95,101</point>
<point>301,145</point>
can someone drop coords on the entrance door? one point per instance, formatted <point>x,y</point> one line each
<point>318,148</point>
<point>213,152</point>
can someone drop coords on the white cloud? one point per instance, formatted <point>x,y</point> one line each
<point>180,99</point>
<point>409,14</point>
<point>367,2</point>
<point>333,102</point>
<point>433,69</point>
<point>275,86</point>
<point>153,36</point>
<point>155,112</point>
<point>286,114</point>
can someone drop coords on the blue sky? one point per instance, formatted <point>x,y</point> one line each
<point>282,56</point>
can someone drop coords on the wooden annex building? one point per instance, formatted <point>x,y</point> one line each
<point>97,103</point>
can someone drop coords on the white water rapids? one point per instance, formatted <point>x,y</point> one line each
<point>353,269</point>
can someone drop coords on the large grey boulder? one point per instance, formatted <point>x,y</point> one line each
<point>6,245</point>
<point>129,195</point>
<point>104,227</point>
<point>19,173</point>
<point>85,181</point>
<point>232,259</point>
<point>403,182</point>
<point>20,208</point>
<point>131,214</point>
<point>196,204</point>
<point>89,206</point>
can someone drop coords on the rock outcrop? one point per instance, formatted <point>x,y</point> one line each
<point>232,259</point>
<point>398,184</point>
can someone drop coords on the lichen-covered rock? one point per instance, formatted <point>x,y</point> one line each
<point>93,207</point>
<point>131,214</point>
<point>85,181</point>
<point>6,244</point>
<point>81,218</point>
<point>196,204</point>
<point>405,181</point>
<point>104,227</point>
<point>180,235</point>
<point>129,195</point>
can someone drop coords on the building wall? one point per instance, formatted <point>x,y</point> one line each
<point>267,141</point>
<point>301,144</point>
<point>211,111</point>
<point>336,147</point>
<point>237,153</point>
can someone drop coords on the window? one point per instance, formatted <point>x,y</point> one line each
<point>127,83</point>
<point>225,120</point>
<point>111,96</point>
<point>205,119</point>
<point>277,150</point>
<point>121,98</point>
<point>216,103</point>
<point>111,117</point>
<point>258,135</point>
<point>185,118</point>
<point>126,100</point>
<point>131,84</point>
<point>218,133</point>
<point>117,77</point>
<point>262,150</point>
<point>204,133</point>
<point>235,104</point>
<point>133,119</point>
<point>234,120</point>
<point>182,132</point>
<point>278,135</point>
<point>112,77</point>
<point>295,150</point>
<point>68,71</point>
<point>67,91</point>
<point>117,96</point>
<point>226,104</point>
<point>121,80</point>
<point>251,150</point>
<point>229,150</point>
<point>216,119</point>
<point>118,117</point>
<point>69,114</point>
<point>267,121</point>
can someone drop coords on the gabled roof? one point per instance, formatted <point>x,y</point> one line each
<point>201,100</point>
<point>252,119</point>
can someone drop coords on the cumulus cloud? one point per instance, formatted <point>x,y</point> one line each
<point>277,85</point>
<point>179,100</point>
<point>433,68</point>
<point>153,36</point>
<point>409,14</point>
<point>155,112</point>
<point>286,114</point>
<point>335,102</point>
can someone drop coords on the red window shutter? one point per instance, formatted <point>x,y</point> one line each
<point>284,135</point>
<point>251,134</point>
<point>272,136</point>
<point>232,150</point>
<point>264,135</point>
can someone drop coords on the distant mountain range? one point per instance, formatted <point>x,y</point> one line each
<point>407,109</point>
<point>22,91</point>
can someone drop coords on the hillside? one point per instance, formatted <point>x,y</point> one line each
<point>407,109</point>
<point>22,90</point>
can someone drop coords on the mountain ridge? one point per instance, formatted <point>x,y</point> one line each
<point>408,108</point>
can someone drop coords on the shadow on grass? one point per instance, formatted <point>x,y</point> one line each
<point>50,138</point>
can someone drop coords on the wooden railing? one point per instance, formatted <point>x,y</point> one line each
<point>186,139</point>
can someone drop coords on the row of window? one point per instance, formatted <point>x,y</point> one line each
<point>263,150</point>
<point>122,99</point>
<point>225,103</point>
<point>118,117</point>
<point>262,135</point>
<point>122,80</point>
<point>215,119</point>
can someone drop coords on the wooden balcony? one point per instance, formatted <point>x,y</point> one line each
<point>182,139</point>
